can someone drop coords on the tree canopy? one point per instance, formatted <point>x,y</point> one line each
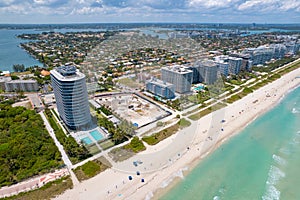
<point>19,68</point>
<point>26,148</point>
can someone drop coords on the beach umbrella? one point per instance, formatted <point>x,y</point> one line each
<point>130,178</point>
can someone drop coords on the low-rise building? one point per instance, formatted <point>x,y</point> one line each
<point>9,85</point>
<point>3,80</point>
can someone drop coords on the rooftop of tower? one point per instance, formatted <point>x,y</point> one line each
<point>180,69</point>
<point>67,73</point>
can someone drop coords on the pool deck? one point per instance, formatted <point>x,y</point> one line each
<point>82,134</point>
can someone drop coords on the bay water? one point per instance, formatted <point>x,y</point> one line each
<point>261,162</point>
<point>11,53</point>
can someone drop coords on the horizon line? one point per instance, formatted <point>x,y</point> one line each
<point>228,23</point>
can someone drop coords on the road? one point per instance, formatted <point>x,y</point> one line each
<point>35,100</point>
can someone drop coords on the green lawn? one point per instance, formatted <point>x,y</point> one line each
<point>106,144</point>
<point>75,152</point>
<point>184,123</point>
<point>207,111</point>
<point>136,145</point>
<point>93,149</point>
<point>129,82</point>
<point>91,168</point>
<point>159,136</point>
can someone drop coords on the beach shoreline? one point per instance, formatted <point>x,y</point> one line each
<point>160,192</point>
<point>112,184</point>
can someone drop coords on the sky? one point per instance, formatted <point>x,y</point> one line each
<point>106,11</point>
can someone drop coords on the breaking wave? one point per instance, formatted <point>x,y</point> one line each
<point>179,174</point>
<point>216,198</point>
<point>272,193</point>
<point>274,175</point>
<point>294,110</point>
<point>279,160</point>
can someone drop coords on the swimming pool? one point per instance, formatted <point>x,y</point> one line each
<point>96,135</point>
<point>87,140</point>
<point>199,88</point>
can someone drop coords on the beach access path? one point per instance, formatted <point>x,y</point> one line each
<point>64,155</point>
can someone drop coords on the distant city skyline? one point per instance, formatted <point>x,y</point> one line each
<point>197,11</point>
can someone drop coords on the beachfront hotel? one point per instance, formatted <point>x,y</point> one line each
<point>235,65</point>
<point>223,67</point>
<point>207,71</point>
<point>181,77</point>
<point>71,97</point>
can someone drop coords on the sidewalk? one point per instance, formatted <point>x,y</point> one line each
<point>32,183</point>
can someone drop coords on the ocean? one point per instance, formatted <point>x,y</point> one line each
<point>261,162</point>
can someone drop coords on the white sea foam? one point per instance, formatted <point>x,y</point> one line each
<point>216,198</point>
<point>166,182</point>
<point>279,160</point>
<point>294,142</point>
<point>272,193</point>
<point>149,196</point>
<point>295,110</point>
<point>222,190</point>
<point>285,151</point>
<point>274,175</point>
<point>179,173</point>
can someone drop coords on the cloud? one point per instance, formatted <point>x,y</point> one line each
<point>5,3</point>
<point>154,10</point>
<point>164,4</point>
<point>270,5</point>
<point>50,3</point>
<point>211,3</point>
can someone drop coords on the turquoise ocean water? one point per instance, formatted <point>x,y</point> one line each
<point>262,162</point>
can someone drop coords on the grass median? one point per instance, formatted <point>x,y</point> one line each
<point>207,111</point>
<point>163,134</point>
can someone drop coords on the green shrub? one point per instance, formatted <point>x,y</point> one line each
<point>184,123</point>
<point>136,145</point>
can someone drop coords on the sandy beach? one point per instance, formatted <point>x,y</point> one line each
<point>163,163</point>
